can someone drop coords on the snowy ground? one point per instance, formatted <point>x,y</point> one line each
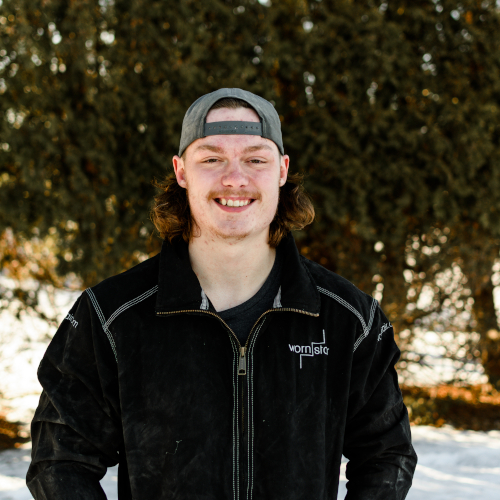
<point>453,465</point>
<point>23,344</point>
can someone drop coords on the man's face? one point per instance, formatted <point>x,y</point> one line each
<point>232,181</point>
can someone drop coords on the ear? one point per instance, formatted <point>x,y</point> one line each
<point>180,173</point>
<point>285,163</point>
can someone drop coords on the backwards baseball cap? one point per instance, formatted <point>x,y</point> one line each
<point>194,125</point>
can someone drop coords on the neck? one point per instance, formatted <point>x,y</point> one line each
<point>230,272</point>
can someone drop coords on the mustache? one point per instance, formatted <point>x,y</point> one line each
<point>228,193</point>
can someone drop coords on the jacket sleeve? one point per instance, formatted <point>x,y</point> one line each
<point>75,432</point>
<point>377,440</point>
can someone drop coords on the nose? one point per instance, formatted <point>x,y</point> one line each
<point>234,175</point>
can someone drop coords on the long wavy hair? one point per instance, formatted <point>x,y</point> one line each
<point>172,217</point>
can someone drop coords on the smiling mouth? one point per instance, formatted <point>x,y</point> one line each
<point>233,203</point>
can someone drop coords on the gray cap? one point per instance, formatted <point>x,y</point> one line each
<point>194,126</point>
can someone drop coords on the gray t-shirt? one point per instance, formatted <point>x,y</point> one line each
<point>242,318</point>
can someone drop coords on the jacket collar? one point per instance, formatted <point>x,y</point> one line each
<point>180,290</point>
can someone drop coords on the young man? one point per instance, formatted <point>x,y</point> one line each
<point>228,366</point>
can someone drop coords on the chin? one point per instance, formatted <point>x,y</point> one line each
<point>231,235</point>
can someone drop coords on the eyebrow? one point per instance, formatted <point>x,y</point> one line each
<point>215,149</point>
<point>250,149</point>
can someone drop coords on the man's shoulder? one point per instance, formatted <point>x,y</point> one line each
<point>341,291</point>
<point>127,288</point>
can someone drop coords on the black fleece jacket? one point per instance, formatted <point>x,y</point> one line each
<point>142,374</point>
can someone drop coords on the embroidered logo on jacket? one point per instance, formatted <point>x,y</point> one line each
<point>384,328</point>
<point>72,320</point>
<point>315,349</point>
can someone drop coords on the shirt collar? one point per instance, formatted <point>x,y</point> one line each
<point>180,290</point>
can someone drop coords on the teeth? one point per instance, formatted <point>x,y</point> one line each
<point>234,203</point>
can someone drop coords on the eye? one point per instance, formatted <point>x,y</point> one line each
<point>211,160</point>
<point>255,160</point>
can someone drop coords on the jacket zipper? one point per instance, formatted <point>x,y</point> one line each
<point>249,384</point>
<point>243,350</point>
<point>242,364</point>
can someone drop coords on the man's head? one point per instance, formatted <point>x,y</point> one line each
<point>230,107</point>
<point>231,174</point>
<point>195,123</point>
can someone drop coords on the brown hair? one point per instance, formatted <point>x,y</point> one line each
<point>172,217</point>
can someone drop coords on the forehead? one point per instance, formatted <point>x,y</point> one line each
<point>232,144</point>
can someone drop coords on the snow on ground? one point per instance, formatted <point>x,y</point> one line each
<point>14,465</point>
<point>437,368</point>
<point>23,343</point>
<point>453,465</point>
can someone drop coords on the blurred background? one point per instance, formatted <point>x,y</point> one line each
<point>391,109</point>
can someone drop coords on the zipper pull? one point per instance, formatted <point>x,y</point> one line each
<point>242,370</point>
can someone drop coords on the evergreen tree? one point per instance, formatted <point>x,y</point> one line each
<point>390,109</point>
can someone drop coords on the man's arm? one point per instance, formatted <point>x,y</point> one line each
<point>75,431</point>
<point>377,439</point>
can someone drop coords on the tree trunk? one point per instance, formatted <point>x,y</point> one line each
<point>487,326</point>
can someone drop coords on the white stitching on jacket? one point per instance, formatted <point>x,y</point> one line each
<point>251,433</point>
<point>236,458</point>
<point>366,328</point>
<point>106,324</point>
<point>131,303</point>
<point>97,308</point>
<point>369,327</point>
<point>345,304</point>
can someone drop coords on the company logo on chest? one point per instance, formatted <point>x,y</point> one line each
<point>315,349</point>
